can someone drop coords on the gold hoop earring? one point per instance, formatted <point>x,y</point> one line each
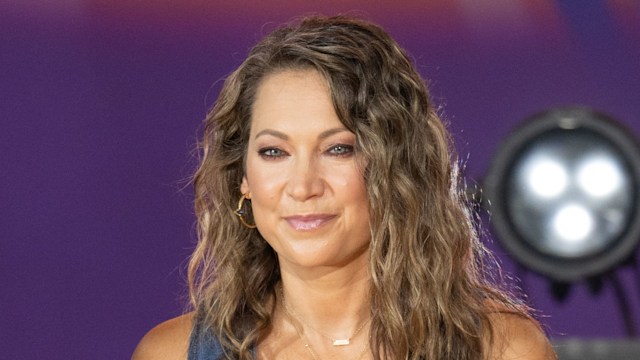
<point>241,212</point>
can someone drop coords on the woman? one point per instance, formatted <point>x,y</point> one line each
<point>330,221</point>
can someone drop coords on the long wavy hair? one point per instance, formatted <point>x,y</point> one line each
<point>429,291</point>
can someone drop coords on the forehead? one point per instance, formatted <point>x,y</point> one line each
<point>290,84</point>
<point>293,96</point>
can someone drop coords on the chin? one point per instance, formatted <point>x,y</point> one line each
<point>316,259</point>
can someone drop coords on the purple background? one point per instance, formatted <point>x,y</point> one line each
<point>100,107</point>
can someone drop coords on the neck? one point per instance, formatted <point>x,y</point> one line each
<point>333,301</point>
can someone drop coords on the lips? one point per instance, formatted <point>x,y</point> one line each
<point>308,222</point>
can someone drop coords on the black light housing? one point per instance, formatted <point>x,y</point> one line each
<point>564,194</point>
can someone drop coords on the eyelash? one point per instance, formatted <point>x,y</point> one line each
<point>338,150</point>
<point>264,153</point>
<point>347,150</point>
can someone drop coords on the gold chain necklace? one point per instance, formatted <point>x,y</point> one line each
<point>304,340</point>
<point>313,353</point>
<point>334,342</point>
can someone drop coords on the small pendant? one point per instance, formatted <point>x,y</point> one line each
<point>341,342</point>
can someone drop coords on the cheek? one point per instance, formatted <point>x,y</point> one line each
<point>263,182</point>
<point>349,185</point>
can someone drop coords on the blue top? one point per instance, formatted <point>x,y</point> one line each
<point>203,345</point>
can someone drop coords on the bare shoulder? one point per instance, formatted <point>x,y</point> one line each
<point>167,341</point>
<point>517,337</point>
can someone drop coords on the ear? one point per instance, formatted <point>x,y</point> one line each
<point>244,187</point>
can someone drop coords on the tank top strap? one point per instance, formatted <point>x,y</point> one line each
<point>203,345</point>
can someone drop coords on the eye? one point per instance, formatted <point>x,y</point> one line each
<point>341,150</point>
<point>271,153</point>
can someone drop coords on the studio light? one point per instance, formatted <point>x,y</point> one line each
<point>564,194</point>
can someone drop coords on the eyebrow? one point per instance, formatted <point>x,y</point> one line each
<point>323,135</point>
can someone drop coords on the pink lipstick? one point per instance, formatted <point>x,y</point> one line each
<point>308,222</point>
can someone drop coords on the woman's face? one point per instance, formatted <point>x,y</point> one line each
<point>308,196</point>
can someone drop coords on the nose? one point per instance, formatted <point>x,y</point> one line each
<point>305,180</point>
